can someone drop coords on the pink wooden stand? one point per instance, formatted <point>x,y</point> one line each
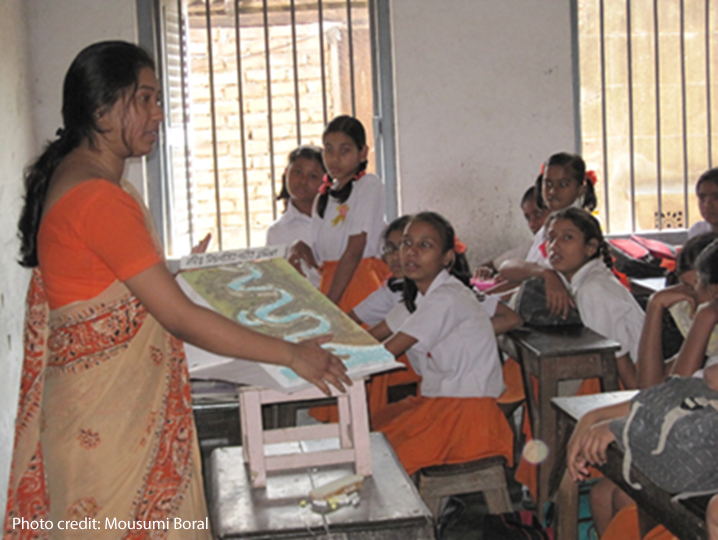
<point>352,431</point>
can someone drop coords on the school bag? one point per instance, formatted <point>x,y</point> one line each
<point>531,306</point>
<point>671,436</point>
<point>634,260</point>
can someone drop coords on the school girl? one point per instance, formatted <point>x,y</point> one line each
<point>707,193</point>
<point>581,263</point>
<point>300,184</point>
<point>563,183</point>
<point>449,339</point>
<point>535,218</point>
<point>372,310</point>
<point>681,301</point>
<point>347,219</point>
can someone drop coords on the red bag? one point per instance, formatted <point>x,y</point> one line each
<point>658,249</point>
<point>634,260</point>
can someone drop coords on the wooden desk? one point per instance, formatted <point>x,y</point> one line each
<point>390,506</point>
<point>552,357</point>
<point>685,519</point>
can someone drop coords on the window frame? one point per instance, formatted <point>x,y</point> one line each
<point>156,165</point>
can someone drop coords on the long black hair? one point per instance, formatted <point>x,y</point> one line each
<point>711,175</point>
<point>459,268</point>
<point>306,151</point>
<point>354,129</point>
<point>575,166</point>
<point>589,227</point>
<point>707,264</point>
<point>96,79</point>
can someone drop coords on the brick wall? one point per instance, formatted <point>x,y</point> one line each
<point>261,152</point>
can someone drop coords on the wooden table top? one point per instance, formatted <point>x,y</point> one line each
<point>563,342</point>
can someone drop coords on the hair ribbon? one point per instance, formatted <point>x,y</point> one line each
<point>459,246</point>
<point>591,177</point>
<point>327,182</point>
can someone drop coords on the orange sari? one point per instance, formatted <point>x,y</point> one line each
<point>104,433</point>
<point>105,416</point>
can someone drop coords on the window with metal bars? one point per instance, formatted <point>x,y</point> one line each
<point>247,81</point>
<point>648,75</point>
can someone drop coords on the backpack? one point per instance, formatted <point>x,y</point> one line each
<point>671,436</point>
<point>531,306</point>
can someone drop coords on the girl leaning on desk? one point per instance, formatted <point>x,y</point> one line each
<point>105,426</point>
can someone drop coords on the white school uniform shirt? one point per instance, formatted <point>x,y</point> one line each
<point>699,228</point>
<point>378,304</point>
<point>362,212</point>
<point>607,307</point>
<point>291,226</point>
<point>534,255</point>
<point>456,352</point>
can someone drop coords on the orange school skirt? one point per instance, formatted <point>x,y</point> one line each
<point>367,278</point>
<point>428,431</point>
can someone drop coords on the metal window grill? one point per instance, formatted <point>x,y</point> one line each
<point>647,83</point>
<point>247,81</point>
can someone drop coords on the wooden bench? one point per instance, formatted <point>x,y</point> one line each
<point>685,519</point>
<point>551,357</point>
<point>485,475</point>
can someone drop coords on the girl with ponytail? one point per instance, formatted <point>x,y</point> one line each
<point>449,339</point>
<point>347,219</point>
<point>580,259</point>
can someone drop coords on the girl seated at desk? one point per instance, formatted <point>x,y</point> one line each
<point>681,300</point>
<point>580,274</point>
<point>449,339</point>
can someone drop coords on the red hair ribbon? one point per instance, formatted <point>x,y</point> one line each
<point>591,177</point>
<point>327,182</point>
<point>543,167</point>
<point>459,246</point>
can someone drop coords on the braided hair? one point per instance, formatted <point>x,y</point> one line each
<point>459,268</point>
<point>575,167</point>
<point>100,75</point>
<point>589,227</point>
<point>353,129</point>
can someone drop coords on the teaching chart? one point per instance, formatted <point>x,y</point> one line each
<point>271,297</point>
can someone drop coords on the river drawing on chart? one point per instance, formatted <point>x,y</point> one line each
<point>269,296</point>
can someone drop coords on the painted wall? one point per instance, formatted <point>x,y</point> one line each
<point>483,94</point>
<point>39,39</point>
<point>58,31</point>
<point>16,148</point>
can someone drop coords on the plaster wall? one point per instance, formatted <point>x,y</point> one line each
<point>483,94</point>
